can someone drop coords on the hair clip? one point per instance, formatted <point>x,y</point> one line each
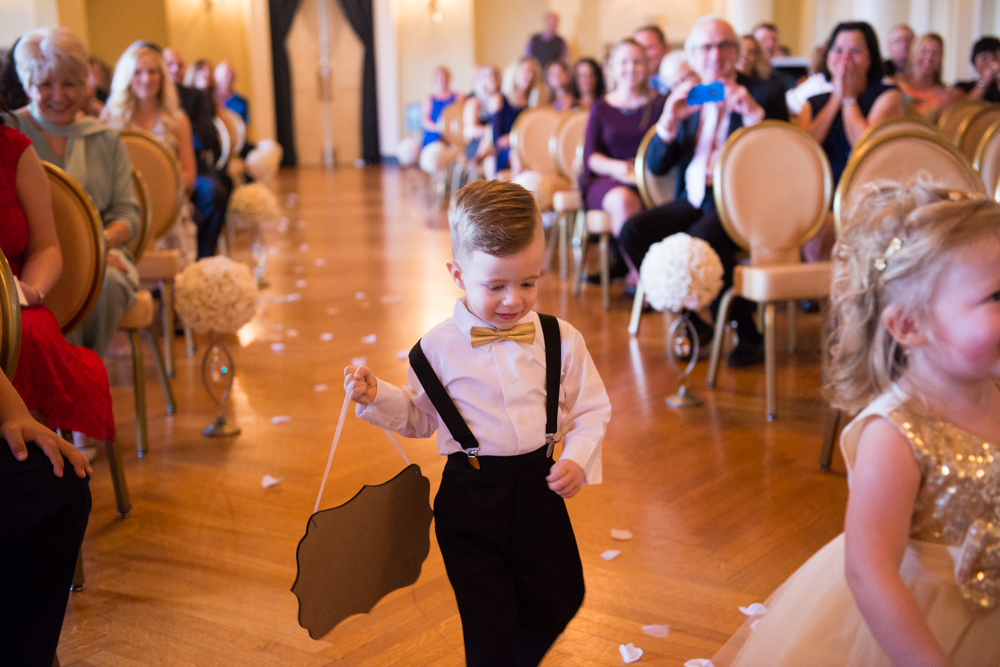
<point>894,246</point>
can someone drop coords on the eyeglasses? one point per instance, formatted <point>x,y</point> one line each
<point>721,46</point>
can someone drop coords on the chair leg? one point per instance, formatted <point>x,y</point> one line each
<point>830,438</point>
<point>139,386</point>
<point>189,340</point>
<point>633,322</point>
<point>118,479</point>
<point>561,221</point>
<point>161,374</point>
<point>605,271</point>
<point>78,578</point>
<point>824,337</point>
<point>222,245</point>
<point>769,361</point>
<point>793,334</point>
<point>167,292</point>
<point>579,250</point>
<point>720,332</point>
<point>551,244</point>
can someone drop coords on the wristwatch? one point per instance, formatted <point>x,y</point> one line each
<point>849,101</point>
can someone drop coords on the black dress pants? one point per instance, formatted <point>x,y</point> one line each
<point>42,522</point>
<point>511,557</point>
<point>653,225</point>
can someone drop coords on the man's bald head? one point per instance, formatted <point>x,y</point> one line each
<point>176,67</point>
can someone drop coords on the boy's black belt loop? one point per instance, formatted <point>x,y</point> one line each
<point>453,419</point>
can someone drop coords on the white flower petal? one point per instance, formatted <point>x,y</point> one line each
<point>610,554</point>
<point>756,609</point>
<point>617,534</point>
<point>656,630</point>
<point>629,652</point>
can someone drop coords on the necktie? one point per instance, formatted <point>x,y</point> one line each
<point>522,333</point>
<point>697,171</point>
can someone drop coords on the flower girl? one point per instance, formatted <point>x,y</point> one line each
<point>915,577</point>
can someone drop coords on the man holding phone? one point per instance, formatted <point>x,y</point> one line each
<point>697,119</point>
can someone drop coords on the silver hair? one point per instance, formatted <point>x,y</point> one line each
<point>46,50</point>
<point>698,25</point>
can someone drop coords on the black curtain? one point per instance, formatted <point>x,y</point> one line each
<point>359,13</point>
<point>282,13</point>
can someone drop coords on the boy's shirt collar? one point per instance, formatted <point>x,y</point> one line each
<point>463,318</point>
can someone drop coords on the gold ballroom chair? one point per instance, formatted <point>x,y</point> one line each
<point>236,131</point>
<point>453,134</point>
<point>772,191</point>
<point>10,321</point>
<point>158,165</point>
<point>951,120</point>
<point>654,190</point>
<point>987,159</point>
<point>81,239</point>
<point>974,128</point>
<point>898,156</point>
<point>915,124</point>
<point>566,149</point>
<point>531,139</point>
<point>225,143</point>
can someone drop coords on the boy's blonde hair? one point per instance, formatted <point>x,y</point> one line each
<point>895,243</point>
<point>496,218</point>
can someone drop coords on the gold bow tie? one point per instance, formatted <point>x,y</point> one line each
<point>522,333</point>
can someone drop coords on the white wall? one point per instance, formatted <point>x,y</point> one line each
<point>19,16</point>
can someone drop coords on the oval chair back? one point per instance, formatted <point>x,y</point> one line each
<point>81,239</point>
<point>225,144</point>
<point>159,167</point>
<point>529,138</point>
<point>900,156</point>
<point>987,160</point>
<point>654,189</point>
<point>975,128</point>
<point>566,144</point>
<point>140,242</point>
<point>453,131</point>
<point>10,320</point>
<point>952,118</point>
<point>235,128</point>
<point>917,124</point>
<point>773,189</point>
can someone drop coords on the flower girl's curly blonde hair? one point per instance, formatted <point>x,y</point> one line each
<point>895,243</point>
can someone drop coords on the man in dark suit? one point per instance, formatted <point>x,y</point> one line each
<point>211,189</point>
<point>691,138</point>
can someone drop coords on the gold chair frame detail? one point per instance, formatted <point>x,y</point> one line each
<point>640,169</point>
<point>138,245</point>
<point>864,152</point>
<point>97,229</point>
<point>992,133</point>
<point>954,110</point>
<point>883,128</point>
<point>10,320</point>
<point>175,164</point>
<point>567,118</point>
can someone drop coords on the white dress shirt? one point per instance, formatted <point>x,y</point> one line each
<point>499,389</point>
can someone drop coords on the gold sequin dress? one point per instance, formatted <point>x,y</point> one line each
<point>952,564</point>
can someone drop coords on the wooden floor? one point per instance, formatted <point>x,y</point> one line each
<point>723,505</point>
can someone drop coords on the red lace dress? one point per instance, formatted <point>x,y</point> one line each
<point>68,384</point>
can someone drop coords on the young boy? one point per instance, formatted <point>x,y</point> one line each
<point>499,397</point>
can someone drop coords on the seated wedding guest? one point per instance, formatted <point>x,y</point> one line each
<point>900,45</point>
<point>767,36</point>
<point>518,88</point>
<point>547,46</point>
<point>225,77</point>
<point>44,508</point>
<point>616,126</point>
<point>859,98</point>
<point>11,90</point>
<point>986,62</point>
<point>143,98</point>
<point>52,66</point>
<point>558,79</point>
<point>814,84</point>
<point>98,85</point>
<point>836,120</point>
<point>692,138</point>
<point>477,113</point>
<point>588,82</point>
<point>922,85</point>
<point>65,386</point>
<point>752,62</point>
<point>443,96</point>
<point>199,76</point>
<point>654,41</point>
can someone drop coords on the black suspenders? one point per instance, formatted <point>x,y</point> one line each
<point>453,418</point>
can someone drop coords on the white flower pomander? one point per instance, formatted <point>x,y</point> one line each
<point>216,294</point>
<point>681,272</point>
<point>264,161</point>
<point>253,204</point>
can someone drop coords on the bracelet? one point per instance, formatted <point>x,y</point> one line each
<point>849,102</point>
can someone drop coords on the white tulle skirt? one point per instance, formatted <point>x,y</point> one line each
<point>812,618</point>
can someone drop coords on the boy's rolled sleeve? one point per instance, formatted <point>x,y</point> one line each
<point>395,408</point>
<point>586,407</point>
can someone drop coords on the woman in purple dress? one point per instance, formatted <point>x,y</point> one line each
<point>617,124</point>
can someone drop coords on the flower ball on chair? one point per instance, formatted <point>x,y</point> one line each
<point>681,272</point>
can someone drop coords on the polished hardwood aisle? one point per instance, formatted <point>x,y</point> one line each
<point>722,504</point>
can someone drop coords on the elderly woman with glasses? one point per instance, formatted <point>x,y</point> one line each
<point>52,65</point>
